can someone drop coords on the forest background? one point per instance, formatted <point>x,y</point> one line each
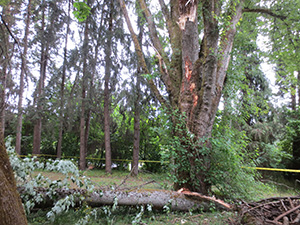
<point>96,95</point>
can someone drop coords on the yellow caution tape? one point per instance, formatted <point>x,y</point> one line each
<point>91,158</point>
<point>153,161</point>
<point>274,169</point>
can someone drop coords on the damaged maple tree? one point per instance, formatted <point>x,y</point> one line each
<point>193,75</point>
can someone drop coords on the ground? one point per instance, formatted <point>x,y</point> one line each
<point>129,215</point>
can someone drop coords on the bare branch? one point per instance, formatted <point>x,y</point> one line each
<point>141,59</point>
<point>153,32</point>
<point>157,44</point>
<point>9,31</point>
<point>264,11</point>
<point>165,10</point>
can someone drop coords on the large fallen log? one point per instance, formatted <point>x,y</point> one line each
<point>158,199</point>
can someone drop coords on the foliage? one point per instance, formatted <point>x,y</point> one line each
<point>289,142</point>
<point>24,168</point>
<point>227,172</point>
<point>82,10</point>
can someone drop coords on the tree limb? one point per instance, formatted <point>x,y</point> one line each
<point>158,199</point>
<point>140,56</point>
<point>157,45</point>
<point>264,11</point>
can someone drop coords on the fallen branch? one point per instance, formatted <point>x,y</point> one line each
<point>205,198</point>
<point>276,210</point>
<point>286,213</point>
<point>158,199</point>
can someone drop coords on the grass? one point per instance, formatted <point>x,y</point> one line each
<point>119,178</point>
<point>126,215</point>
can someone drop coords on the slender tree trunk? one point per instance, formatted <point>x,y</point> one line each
<point>11,208</point>
<point>137,109</point>
<point>293,97</point>
<point>107,93</point>
<point>3,94</point>
<point>298,87</point>
<point>37,132</point>
<point>83,150</point>
<point>296,141</point>
<point>21,91</point>
<point>4,62</point>
<point>136,135</point>
<point>62,87</point>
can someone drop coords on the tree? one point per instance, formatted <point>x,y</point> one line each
<point>285,53</point>
<point>62,86</point>
<point>137,111</point>
<point>6,53</point>
<point>107,91</point>
<point>193,77</point>
<point>11,208</point>
<point>23,70</point>
<point>83,126</point>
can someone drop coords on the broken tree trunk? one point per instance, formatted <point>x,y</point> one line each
<point>158,199</point>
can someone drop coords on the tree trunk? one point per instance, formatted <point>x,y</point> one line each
<point>298,86</point>
<point>107,93</point>
<point>136,134</point>
<point>183,200</point>
<point>4,61</point>
<point>62,88</point>
<point>37,132</point>
<point>11,208</point>
<point>83,150</point>
<point>137,109</point>
<point>21,91</point>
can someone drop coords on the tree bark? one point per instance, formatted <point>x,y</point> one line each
<point>62,88</point>
<point>107,93</point>
<point>4,60</point>
<point>11,208</point>
<point>136,134</point>
<point>83,150</point>
<point>137,109</point>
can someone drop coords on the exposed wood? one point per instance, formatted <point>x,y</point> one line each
<point>196,195</point>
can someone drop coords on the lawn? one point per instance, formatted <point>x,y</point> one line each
<point>130,215</point>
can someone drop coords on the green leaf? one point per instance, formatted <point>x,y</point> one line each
<point>82,11</point>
